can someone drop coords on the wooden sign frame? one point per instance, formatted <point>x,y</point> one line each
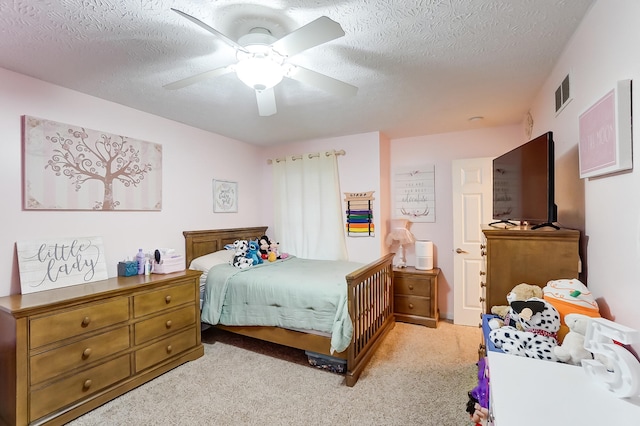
<point>53,263</point>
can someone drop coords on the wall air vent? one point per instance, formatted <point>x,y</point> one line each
<point>563,95</point>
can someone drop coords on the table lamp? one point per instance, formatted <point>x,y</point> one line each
<point>400,233</point>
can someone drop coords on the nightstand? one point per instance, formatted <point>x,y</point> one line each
<point>416,295</point>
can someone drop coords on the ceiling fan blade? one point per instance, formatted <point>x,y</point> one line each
<point>266,102</point>
<point>211,30</point>
<point>198,77</point>
<point>313,34</point>
<point>321,81</point>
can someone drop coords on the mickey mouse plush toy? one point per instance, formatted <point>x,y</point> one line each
<point>264,247</point>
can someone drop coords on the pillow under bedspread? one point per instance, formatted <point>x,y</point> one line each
<point>291,293</point>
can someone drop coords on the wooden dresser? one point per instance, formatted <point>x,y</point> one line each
<point>66,351</point>
<point>416,295</point>
<point>522,255</point>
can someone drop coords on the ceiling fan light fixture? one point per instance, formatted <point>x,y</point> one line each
<point>259,73</point>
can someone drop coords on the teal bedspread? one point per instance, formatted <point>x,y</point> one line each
<point>293,293</point>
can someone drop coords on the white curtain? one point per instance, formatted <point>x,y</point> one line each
<point>308,207</point>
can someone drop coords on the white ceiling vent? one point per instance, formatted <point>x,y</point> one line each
<point>563,95</point>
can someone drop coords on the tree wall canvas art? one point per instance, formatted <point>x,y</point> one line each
<point>67,167</point>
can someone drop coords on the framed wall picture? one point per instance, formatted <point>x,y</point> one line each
<point>225,196</point>
<point>414,194</point>
<point>69,167</point>
<point>605,134</point>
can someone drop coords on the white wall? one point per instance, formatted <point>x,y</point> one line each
<point>602,51</point>
<point>440,150</point>
<point>191,159</point>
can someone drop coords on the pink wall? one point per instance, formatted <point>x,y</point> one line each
<point>602,52</point>
<point>191,159</point>
<point>440,150</point>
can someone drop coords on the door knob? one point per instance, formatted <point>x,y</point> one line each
<point>459,251</point>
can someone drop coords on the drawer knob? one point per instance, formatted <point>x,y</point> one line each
<point>87,384</point>
<point>86,321</point>
<point>169,349</point>
<point>411,287</point>
<point>169,323</point>
<point>167,299</point>
<point>410,305</point>
<point>86,353</point>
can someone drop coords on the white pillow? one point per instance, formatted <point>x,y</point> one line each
<point>204,263</point>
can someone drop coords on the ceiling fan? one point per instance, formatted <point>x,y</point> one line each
<point>262,60</point>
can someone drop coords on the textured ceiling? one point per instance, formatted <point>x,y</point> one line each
<point>421,66</point>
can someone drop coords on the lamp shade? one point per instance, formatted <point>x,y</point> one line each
<point>400,233</point>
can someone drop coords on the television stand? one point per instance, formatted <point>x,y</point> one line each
<point>542,225</point>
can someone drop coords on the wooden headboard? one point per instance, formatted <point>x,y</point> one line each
<point>199,243</point>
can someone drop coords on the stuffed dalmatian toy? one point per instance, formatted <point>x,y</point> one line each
<point>240,259</point>
<point>540,323</point>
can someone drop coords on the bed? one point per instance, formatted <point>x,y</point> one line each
<point>369,302</point>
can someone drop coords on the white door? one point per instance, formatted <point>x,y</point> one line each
<point>472,207</point>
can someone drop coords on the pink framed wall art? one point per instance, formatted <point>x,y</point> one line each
<point>605,134</point>
<point>67,167</point>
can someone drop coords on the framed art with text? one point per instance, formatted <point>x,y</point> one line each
<point>225,196</point>
<point>414,193</point>
<point>605,134</point>
<point>61,262</point>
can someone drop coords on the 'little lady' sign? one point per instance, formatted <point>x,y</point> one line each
<point>62,262</point>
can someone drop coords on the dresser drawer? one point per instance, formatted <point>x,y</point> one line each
<point>78,386</point>
<point>164,324</point>
<point>66,358</point>
<point>164,349</point>
<point>412,305</point>
<point>169,297</point>
<point>418,286</point>
<point>74,322</point>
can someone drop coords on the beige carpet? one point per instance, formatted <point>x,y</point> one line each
<point>419,376</point>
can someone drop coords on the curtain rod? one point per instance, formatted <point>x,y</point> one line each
<point>312,155</point>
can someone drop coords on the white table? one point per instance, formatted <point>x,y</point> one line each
<point>527,392</point>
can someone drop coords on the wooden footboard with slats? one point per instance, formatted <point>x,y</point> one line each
<point>370,301</point>
<point>371,310</point>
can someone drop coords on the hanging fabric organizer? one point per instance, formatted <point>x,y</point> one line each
<point>359,214</point>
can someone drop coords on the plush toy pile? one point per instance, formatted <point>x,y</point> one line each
<point>550,328</point>
<point>535,333</point>
<point>249,252</point>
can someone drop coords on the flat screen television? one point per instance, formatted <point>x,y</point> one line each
<point>523,184</point>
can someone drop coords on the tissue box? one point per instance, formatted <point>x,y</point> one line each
<point>127,268</point>
<point>168,265</point>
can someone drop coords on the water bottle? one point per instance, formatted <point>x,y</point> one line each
<point>140,258</point>
<point>147,266</point>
